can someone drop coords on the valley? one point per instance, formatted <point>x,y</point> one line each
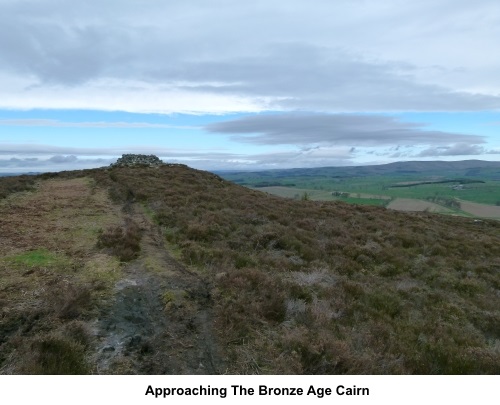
<point>442,187</point>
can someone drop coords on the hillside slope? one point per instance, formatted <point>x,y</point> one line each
<point>174,270</point>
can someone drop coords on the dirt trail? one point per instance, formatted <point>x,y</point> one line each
<point>157,317</point>
<point>159,320</point>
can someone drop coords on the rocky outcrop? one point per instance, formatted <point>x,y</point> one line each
<point>138,160</point>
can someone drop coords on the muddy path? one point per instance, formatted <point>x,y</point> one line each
<point>159,320</point>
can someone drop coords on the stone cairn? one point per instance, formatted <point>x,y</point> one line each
<point>138,160</point>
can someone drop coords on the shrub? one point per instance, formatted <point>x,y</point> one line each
<point>70,301</point>
<point>9,185</point>
<point>123,242</point>
<point>55,355</point>
<point>396,276</point>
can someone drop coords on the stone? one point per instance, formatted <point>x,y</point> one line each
<point>130,160</point>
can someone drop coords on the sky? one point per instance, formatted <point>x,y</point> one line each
<point>226,85</point>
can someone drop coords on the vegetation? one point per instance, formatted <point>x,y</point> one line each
<point>445,201</point>
<point>296,286</point>
<point>474,181</point>
<point>13,184</point>
<point>312,287</point>
<point>122,241</point>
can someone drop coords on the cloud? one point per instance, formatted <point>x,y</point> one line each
<point>7,148</point>
<point>459,149</point>
<point>40,149</point>
<point>101,124</point>
<point>63,159</point>
<point>54,163</point>
<point>206,160</point>
<point>334,129</point>
<point>322,56</point>
<point>298,76</point>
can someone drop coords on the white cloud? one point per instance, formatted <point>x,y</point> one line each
<point>37,149</point>
<point>54,163</point>
<point>459,149</point>
<point>224,56</point>
<point>102,124</point>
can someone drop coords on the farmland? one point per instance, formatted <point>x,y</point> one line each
<point>446,188</point>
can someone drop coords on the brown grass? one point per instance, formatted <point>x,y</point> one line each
<point>297,286</point>
<point>47,285</point>
<point>317,287</point>
<point>122,241</point>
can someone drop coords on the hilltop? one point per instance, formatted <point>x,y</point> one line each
<point>168,269</point>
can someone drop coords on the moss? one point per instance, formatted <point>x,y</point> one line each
<point>38,258</point>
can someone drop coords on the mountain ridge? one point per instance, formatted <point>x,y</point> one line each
<point>411,166</point>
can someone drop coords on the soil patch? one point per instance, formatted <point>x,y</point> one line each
<point>410,204</point>
<point>480,210</point>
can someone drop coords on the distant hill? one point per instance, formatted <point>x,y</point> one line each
<point>18,174</point>
<point>171,270</point>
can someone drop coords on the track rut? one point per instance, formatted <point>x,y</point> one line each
<point>159,320</point>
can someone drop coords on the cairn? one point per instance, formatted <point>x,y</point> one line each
<point>130,160</point>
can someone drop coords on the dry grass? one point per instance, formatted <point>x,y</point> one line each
<point>122,241</point>
<point>51,274</point>
<point>297,286</point>
<point>316,287</point>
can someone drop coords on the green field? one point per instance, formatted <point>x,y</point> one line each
<point>484,193</point>
<point>445,184</point>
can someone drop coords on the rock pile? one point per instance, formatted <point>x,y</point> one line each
<point>138,160</point>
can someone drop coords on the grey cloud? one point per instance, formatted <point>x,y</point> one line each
<point>55,163</point>
<point>299,76</point>
<point>42,42</point>
<point>460,149</point>
<point>334,129</point>
<point>308,59</point>
<point>306,157</point>
<point>63,159</point>
<point>16,163</point>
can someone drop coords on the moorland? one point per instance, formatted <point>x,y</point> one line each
<point>171,270</point>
